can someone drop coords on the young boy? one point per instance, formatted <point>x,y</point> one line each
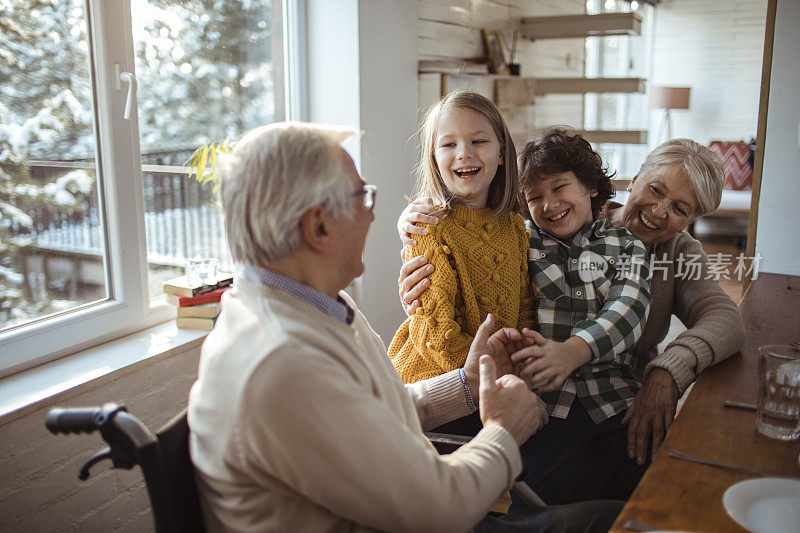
<point>590,285</point>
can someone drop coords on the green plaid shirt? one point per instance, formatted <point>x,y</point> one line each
<point>598,289</point>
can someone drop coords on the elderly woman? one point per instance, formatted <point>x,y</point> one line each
<point>677,183</point>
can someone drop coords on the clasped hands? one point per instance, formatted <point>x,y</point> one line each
<point>522,360</point>
<point>541,363</point>
<point>503,398</point>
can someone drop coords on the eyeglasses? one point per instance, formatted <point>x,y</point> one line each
<point>369,192</point>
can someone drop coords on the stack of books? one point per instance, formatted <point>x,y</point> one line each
<point>198,304</point>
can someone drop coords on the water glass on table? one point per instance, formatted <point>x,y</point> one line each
<point>201,271</point>
<point>779,391</point>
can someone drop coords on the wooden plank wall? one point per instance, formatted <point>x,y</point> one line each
<point>451,29</point>
<point>716,47</point>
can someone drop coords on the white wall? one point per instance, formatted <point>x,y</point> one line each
<point>778,232</point>
<point>332,77</point>
<point>362,72</point>
<point>387,106</point>
<point>716,48</point>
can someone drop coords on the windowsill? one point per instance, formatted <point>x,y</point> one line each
<point>59,380</point>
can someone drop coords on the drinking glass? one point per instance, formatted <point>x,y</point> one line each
<point>779,391</point>
<point>201,271</point>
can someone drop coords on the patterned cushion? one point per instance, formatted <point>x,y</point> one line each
<point>735,158</point>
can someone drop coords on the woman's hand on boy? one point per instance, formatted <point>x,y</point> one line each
<point>548,363</point>
<point>651,414</point>
<point>417,211</point>
<point>413,281</point>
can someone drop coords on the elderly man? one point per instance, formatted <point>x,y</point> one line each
<point>298,420</point>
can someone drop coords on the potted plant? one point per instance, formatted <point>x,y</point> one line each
<point>204,163</point>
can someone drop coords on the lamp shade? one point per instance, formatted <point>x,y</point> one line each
<point>669,97</point>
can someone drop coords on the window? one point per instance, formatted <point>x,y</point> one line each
<point>206,73</point>
<point>96,208</point>
<point>618,56</point>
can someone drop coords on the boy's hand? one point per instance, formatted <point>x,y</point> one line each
<point>548,363</point>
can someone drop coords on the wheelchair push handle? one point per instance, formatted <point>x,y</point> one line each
<point>80,419</point>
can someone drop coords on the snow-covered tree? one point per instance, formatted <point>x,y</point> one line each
<point>205,69</point>
<point>45,113</point>
<point>45,64</point>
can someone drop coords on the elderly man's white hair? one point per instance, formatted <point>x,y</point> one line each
<point>274,175</point>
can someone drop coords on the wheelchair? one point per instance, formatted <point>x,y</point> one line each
<point>163,457</point>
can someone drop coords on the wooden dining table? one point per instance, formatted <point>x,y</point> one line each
<point>681,495</point>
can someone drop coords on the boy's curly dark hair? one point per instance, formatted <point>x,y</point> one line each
<point>562,149</point>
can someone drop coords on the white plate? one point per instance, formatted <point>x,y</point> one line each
<point>765,505</point>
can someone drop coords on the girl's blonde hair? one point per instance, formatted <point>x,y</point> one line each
<point>504,195</point>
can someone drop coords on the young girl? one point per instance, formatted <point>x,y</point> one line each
<point>479,251</point>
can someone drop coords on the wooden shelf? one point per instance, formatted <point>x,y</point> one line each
<point>514,91</point>
<point>588,85</point>
<point>517,91</point>
<point>570,26</point>
<point>615,136</point>
<point>593,136</point>
<point>452,66</point>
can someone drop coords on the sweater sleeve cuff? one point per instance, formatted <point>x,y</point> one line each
<point>680,362</point>
<point>447,398</point>
<point>703,356</point>
<point>499,437</point>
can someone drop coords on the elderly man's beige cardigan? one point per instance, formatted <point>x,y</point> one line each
<point>299,422</point>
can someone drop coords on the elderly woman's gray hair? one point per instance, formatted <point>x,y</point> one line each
<point>701,164</point>
<point>274,174</point>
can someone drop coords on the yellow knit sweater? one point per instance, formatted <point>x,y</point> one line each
<point>481,267</point>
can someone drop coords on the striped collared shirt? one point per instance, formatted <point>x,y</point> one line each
<point>596,288</point>
<point>335,308</point>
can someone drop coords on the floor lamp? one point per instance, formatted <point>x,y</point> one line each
<point>668,98</point>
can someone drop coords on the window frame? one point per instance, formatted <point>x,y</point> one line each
<point>128,307</point>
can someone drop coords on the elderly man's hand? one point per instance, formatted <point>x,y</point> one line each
<point>651,414</point>
<point>499,346</point>
<point>507,402</point>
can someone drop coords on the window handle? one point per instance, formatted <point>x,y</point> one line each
<point>132,86</point>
